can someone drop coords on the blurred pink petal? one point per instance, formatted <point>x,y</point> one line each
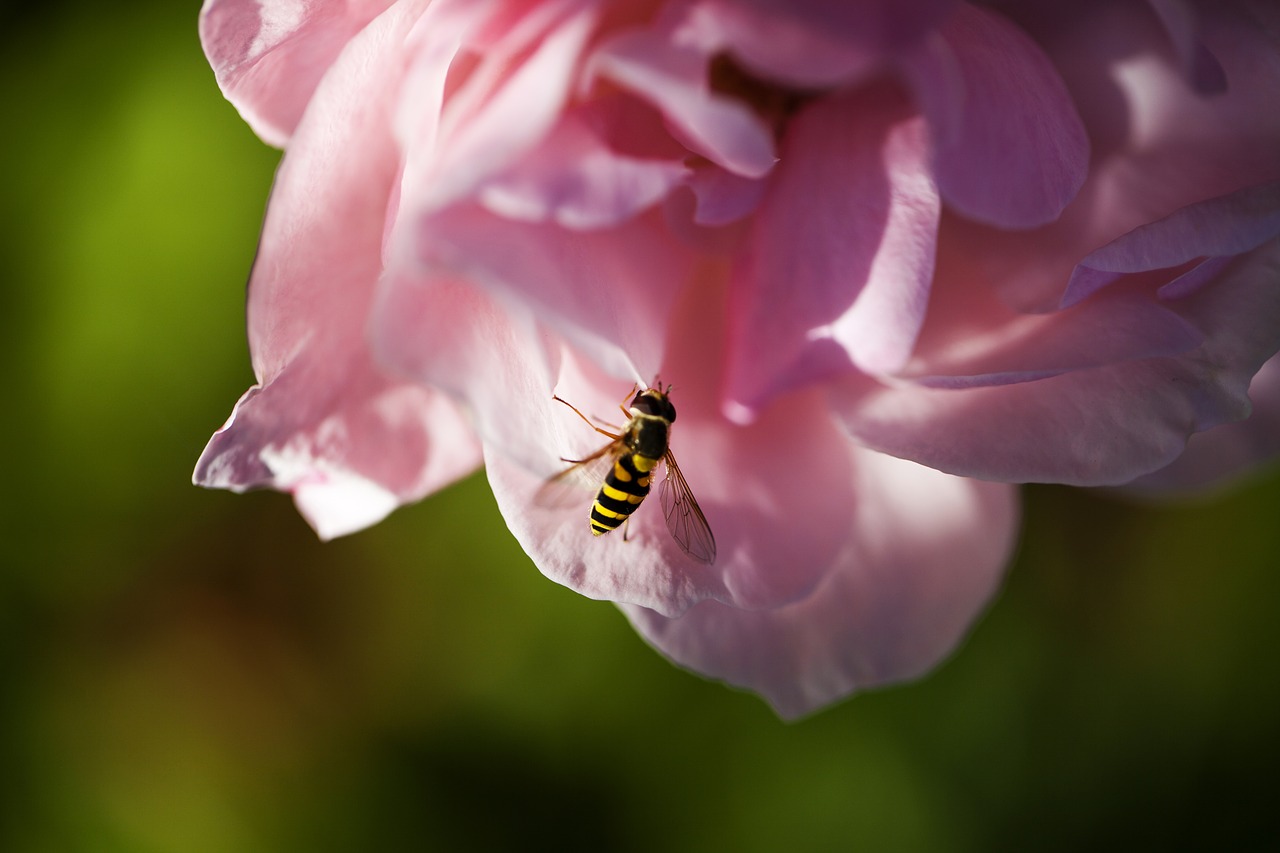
<point>1224,454</point>
<point>675,80</point>
<point>574,179</point>
<point>974,337</point>
<point>812,43</point>
<point>1218,228</point>
<point>1163,145</point>
<point>1010,147</point>
<point>723,197</point>
<point>1199,65</point>
<point>1101,426</point>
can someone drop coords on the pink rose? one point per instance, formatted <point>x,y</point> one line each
<point>893,256</point>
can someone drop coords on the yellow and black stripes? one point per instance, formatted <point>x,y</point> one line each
<point>632,455</point>
<point>625,486</point>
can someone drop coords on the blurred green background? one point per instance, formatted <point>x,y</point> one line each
<point>184,670</point>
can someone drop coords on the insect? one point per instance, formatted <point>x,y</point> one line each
<point>627,465</point>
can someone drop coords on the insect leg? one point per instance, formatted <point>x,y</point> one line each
<point>585,418</point>
<point>626,413</point>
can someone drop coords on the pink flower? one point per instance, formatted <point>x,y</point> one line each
<point>894,256</point>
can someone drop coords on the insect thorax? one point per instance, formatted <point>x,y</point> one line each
<point>648,436</point>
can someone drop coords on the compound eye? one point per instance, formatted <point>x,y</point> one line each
<point>654,403</point>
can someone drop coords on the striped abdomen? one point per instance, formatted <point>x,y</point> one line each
<point>624,488</point>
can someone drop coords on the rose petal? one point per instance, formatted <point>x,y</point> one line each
<point>323,422</point>
<point>1220,456</point>
<point>1010,147</point>
<point>675,80</point>
<point>1218,227</point>
<point>1199,65</point>
<point>504,107</point>
<point>574,179</point>
<point>972,337</point>
<point>608,292</point>
<point>843,248</point>
<point>901,596</point>
<point>348,443</point>
<point>1104,426</point>
<point>723,197</point>
<point>1159,144</point>
<point>448,334</point>
<point>319,257</point>
<point>269,55</point>
<point>809,45</point>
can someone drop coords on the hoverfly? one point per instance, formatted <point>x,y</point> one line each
<point>624,469</point>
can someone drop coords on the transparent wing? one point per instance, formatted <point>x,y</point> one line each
<point>685,520</point>
<point>575,485</point>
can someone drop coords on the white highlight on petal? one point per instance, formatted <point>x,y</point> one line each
<point>278,19</point>
<point>335,502</point>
